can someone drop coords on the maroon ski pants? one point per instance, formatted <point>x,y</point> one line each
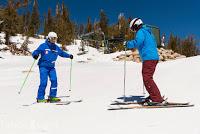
<point>148,69</point>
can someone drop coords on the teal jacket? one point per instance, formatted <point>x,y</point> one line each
<point>145,43</point>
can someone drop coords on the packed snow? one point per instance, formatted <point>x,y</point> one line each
<point>97,80</point>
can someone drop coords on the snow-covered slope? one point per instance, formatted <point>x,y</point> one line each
<point>97,82</point>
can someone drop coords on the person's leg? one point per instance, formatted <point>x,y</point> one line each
<point>54,84</point>
<point>148,69</point>
<point>43,83</point>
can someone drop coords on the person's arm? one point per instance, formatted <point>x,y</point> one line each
<point>36,53</point>
<point>62,53</point>
<point>139,39</point>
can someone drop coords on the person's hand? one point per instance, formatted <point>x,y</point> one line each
<point>71,56</point>
<point>35,57</point>
<point>125,44</point>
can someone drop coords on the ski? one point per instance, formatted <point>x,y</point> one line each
<point>62,103</point>
<point>142,102</point>
<point>178,103</point>
<point>66,103</point>
<point>122,107</point>
<point>56,103</point>
<point>75,101</point>
<point>26,105</point>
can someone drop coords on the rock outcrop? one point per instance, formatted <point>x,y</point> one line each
<point>164,54</point>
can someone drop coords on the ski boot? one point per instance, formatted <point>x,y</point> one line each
<point>152,103</point>
<point>149,102</point>
<point>146,100</point>
<point>41,101</point>
<point>54,99</point>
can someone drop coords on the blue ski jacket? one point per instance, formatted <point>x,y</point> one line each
<point>49,53</point>
<point>145,43</point>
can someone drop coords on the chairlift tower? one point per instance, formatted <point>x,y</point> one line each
<point>93,36</point>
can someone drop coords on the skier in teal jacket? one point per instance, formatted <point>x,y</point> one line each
<point>147,47</point>
<point>48,52</point>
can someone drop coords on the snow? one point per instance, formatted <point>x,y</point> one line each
<point>2,40</point>
<point>98,80</point>
<point>2,35</point>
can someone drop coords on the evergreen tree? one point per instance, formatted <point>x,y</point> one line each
<point>189,47</point>
<point>81,29</point>
<point>103,22</point>
<point>49,24</point>
<point>173,43</point>
<point>45,32</point>
<point>26,22</point>
<point>24,19</point>
<point>10,20</point>
<point>13,23</point>
<point>96,26</point>
<point>58,19</point>
<point>1,18</point>
<point>89,25</point>
<point>65,28</point>
<point>185,47</point>
<point>35,20</point>
<point>113,31</point>
<point>122,24</point>
<point>76,30</point>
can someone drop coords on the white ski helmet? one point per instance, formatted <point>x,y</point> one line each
<point>52,35</point>
<point>135,24</point>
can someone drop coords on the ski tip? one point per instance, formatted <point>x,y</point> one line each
<point>119,108</point>
<point>26,105</point>
<point>78,100</point>
<point>67,103</point>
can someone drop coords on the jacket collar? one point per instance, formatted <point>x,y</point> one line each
<point>49,43</point>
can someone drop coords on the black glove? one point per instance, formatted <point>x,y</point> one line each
<point>35,57</point>
<point>71,56</point>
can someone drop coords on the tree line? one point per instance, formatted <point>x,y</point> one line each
<point>187,46</point>
<point>29,24</point>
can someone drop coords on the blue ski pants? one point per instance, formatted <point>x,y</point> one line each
<point>46,72</point>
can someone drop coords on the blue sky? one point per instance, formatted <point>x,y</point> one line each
<point>180,17</point>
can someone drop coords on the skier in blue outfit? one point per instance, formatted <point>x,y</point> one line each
<point>48,52</point>
<point>146,44</point>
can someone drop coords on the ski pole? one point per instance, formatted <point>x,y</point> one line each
<point>125,76</point>
<point>70,83</point>
<point>26,77</point>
